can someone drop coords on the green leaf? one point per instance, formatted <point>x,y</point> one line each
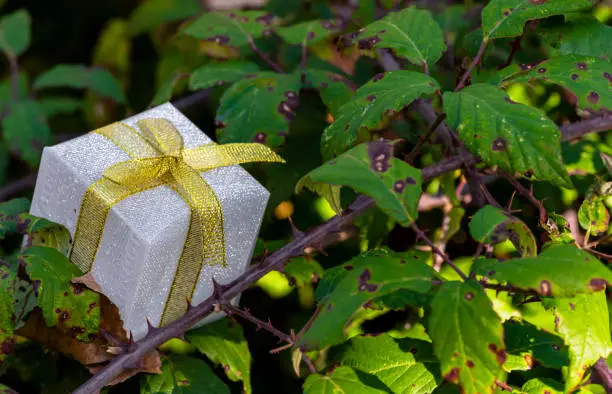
<point>560,271</point>
<point>52,106</point>
<point>371,169</point>
<point>223,343</point>
<point>584,36</point>
<point>6,89</point>
<point>593,215</point>
<point>385,93</point>
<point>398,363</point>
<point>152,13</point>
<point>232,28</point>
<point>8,276</point>
<point>512,136</point>
<point>310,32</point>
<point>7,390</point>
<point>583,323</point>
<point>364,278</point>
<point>330,193</point>
<point>71,307</point>
<point>506,18</point>
<point>452,18</point>
<point>221,73</point>
<point>26,130</point>
<point>542,386</point>
<point>412,34</point>
<point>302,270</point>
<point>335,90</point>
<point>607,161</point>
<point>166,89</point>
<point>182,375</point>
<point>98,80</point>
<point>587,77</point>
<point>15,33</point>
<point>492,225</point>
<point>467,336</point>
<point>9,211</point>
<point>341,381</point>
<point>527,341</point>
<point>258,109</point>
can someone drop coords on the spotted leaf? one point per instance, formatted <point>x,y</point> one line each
<point>467,336</point>
<point>514,137</point>
<point>258,109</point>
<point>534,345</point>
<point>8,279</point>
<point>491,225</point>
<point>583,323</point>
<point>406,366</point>
<point>412,34</point>
<point>560,270</point>
<point>72,307</point>
<point>221,73</point>
<point>9,211</point>
<point>335,90</point>
<point>590,79</point>
<point>302,271</point>
<point>232,28</point>
<point>371,169</point>
<point>506,18</point>
<point>593,215</point>
<point>223,343</point>
<point>358,281</point>
<point>310,32</point>
<point>341,380</point>
<point>385,93</point>
<point>183,374</point>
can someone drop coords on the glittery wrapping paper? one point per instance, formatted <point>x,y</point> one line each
<point>145,233</point>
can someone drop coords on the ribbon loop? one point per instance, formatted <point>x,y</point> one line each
<point>162,134</point>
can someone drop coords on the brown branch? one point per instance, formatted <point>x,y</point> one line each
<point>275,66</point>
<point>421,234</point>
<point>605,373</point>
<point>424,138</point>
<point>603,122</point>
<point>17,186</point>
<point>475,61</point>
<point>260,324</point>
<point>523,191</point>
<point>14,66</point>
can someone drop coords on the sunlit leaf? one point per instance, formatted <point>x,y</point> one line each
<point>340,381</point>
<point>534,345</point>
<point>542,386</point>
<point>593,215</point>
<point>302,270</point>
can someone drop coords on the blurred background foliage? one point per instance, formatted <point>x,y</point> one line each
<point>135,41</point>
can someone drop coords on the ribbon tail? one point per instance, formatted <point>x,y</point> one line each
<point>211,156</point>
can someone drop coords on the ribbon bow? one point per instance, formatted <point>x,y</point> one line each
<point>158,157</point>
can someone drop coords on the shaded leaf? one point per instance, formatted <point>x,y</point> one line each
<point>542,386</point>
<point>183,374</point>
<point>506,18</point>
<point>512,136</point>
<point>310,32</point>
<point>52,106</point>
<point>221,73</point>
<point>302,270</point>
<point>492,225</point>
<point>9,211</point>
<point>232,28</point>
<point>385,93</point>
<point>584,36</point>
<point>411,33</point>
<point>398,363</point>
<point>26,130</point>
<point>588,78</point>
<point>166,89</point>
<point>530,343</point>
<point>560,270</point>
<point>72,307</point>
<point>593,215</point>
<point>371,169</point>
<point>152,13</point>
<point>342,380</point>
<point>583,323</point>
<point>467,336</point>
<point>7,390</point>
<point>223,343</point>
<point>452,18</point>
<point>335,90</point>
<point>15,33</point>
<point>8,276</point>
<point>258,109</point>
<point>98,80</point>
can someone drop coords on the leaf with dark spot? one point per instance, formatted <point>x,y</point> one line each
<point>54,273</point>
<point>583,76</point>
<point>8,280</point>
<point>560,270</point>
<point>370,169</point>
<point>467,336</point>
<point>311,32</point>
<point>302,271</point>
<point>593,215</point>
<point>213,74</point>
<point>371,277</point>
<point>412,34</point>
<point>524,339</point>
<point>231,28</point>
<point>250,107</point>
<point>515,137</point>
<point>393,93</point>
<point>335,90</point>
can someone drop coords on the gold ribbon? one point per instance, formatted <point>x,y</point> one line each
<point>159,158</point>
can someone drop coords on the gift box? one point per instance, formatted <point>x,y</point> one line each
<point>156,211</point>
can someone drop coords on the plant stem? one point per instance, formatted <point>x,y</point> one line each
<point>475,61</point>
<point>275,66</point>
<point>605,373</point>
<point>417,149</point>
<point>245,314</point>
<point>435,249</point>
<point>14,66</point>
<point>523,191</point>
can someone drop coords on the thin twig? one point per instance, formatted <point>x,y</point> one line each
<point>515,46</point>
<point>435,249</point>
<point>14,66</point>
<point>260,324</point>
<point>602,122</point>
<point>17,186</point>
<point>605,373</point>
<point>475,61</point>
<point>424,138</point>
<point>503,385</point>
<point>523,191</point>
<point>275,66</point>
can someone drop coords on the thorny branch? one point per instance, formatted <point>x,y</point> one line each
<point>437,251</point>
<point>475,61</point>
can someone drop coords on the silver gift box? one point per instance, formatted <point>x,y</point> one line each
<point>145,233</point>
